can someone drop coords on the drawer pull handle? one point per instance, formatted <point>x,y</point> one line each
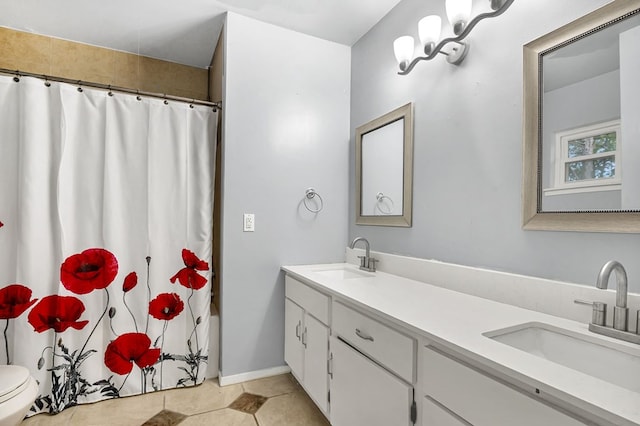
<point>298,330</point>
<point>363,336</point>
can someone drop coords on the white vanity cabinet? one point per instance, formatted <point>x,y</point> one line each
<point>372,372</point>
<point>365,362</point>
<point>306,339</point>
<point>458,395</point>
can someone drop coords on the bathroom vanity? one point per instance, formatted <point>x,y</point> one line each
<point>379,349</point>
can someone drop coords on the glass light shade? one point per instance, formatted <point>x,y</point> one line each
<point>458,11</point>
<point>403,48</point>
<point>429,29</point>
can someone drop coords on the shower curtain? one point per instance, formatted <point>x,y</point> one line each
<point>105,240</point>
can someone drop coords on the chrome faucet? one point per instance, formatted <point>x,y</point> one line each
<point>620,312</point>
<point>367,263</point>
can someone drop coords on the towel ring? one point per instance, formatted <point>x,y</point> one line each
<point>310,194</point>
<point>381,197</point>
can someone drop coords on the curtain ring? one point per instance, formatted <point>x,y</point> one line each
<point>17,77</point>
<point>110,93</point>
<point>80,86</point>
<point>47,83</point>
<point>310,194</point>
<point>380,197</point>
<point>138,95</point>
<point>166,102</point>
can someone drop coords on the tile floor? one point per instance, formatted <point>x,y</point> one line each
<point>273,401</point>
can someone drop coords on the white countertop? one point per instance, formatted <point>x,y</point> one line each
<point>456,322</point>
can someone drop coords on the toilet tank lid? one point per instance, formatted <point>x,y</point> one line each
<point>11,378</point>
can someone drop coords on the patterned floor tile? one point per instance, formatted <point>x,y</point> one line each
<point>290,409</point>
<point>61,419</point>
<point>226,417</point>
<point>276,401</point>
<point>272,386</point>
<point>248,403</point>
<point>126,411</point>
<point>208,396</point>
<point>165,418</point>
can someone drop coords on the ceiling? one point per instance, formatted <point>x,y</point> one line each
<point>590,56</point>
<point>185,31</point>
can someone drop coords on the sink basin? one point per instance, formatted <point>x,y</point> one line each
<point>343,273</point>
<point>600,358</point>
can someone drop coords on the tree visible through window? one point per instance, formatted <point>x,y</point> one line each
<point>595,167</point>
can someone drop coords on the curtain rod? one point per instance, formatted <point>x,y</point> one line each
<point>216,105</point>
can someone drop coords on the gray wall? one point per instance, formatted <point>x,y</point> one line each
<point>286,128</point>
<point>468,148</point>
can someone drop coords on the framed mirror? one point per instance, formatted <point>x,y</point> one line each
<point>581,138</point>
<point>384,169</point>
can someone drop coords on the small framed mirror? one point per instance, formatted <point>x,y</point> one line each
<point>581,147</point>
<point>384,169</point>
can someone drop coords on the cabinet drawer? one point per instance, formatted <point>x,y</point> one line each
<point>481,400</point>
<point>312,301</point>
<point>385,345</point>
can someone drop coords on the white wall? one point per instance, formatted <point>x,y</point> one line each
<point>383,153</point>
<point>630,89</point>
<point>286,128</point>
<point>468,148</point>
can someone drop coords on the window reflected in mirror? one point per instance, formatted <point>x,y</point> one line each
<point>581,138</point>
<point>585,91</point>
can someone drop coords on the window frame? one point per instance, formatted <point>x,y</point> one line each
<point>560,186</point>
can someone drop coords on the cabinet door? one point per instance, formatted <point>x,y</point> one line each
<point>316,342</point>
<point>434,414</point>
<point>363,393</point>
<point>293,349</point>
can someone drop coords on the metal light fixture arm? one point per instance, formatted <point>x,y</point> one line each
<point>457,39</point>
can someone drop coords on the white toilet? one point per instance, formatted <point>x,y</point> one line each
<point>18,391</point>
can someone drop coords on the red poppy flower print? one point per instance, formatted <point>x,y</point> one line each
<point>14,300</point>
<point>127,349</point>
<point>191,261</point>
<point>130,281</point>
<point>166,306</point>
<point>90,270</point>
<point>1,224</point>
<point>58,313</point>
<point>189,276</point>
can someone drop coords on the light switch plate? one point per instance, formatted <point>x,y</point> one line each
<point>249,222</point>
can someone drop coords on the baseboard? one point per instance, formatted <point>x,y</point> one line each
<point>252,375</point>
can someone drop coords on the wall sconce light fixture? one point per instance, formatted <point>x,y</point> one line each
<point>429,28</point>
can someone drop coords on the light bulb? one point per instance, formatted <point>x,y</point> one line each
<point>403,49</point>
<point>458,12</point>
<point>429,29</point>
<point>497,4</point>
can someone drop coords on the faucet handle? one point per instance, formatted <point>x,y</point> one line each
<point>599,313</point>
<point>363,261</point>
<point>372,264</point>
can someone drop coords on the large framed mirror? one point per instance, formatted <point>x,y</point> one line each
<point>384,169</point>
<point>581,131</point>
